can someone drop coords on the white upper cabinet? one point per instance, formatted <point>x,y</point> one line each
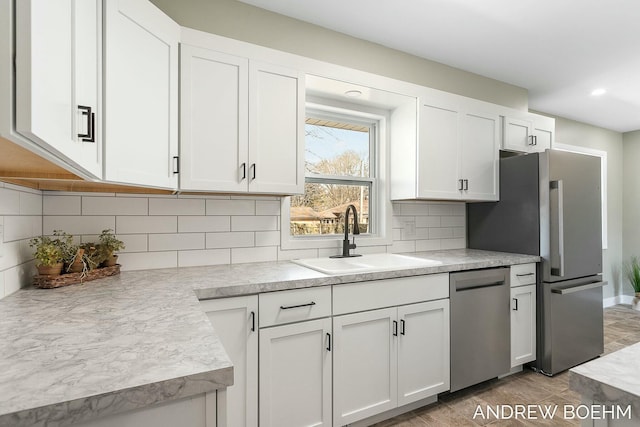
<point>58,92</point>
<point>241,124</point>
<point>526,132</point>
<point>456,152</point>
<point>140,94</point>
<point>214,107</point>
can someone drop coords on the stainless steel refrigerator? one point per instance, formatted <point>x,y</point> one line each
<point>550,205</point>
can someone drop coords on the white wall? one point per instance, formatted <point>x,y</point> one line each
<point>236,20</point>
<point>21,217</point>
<point>631,197</point>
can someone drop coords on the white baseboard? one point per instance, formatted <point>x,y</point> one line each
<point>618,299</point>
<point>394,412</point>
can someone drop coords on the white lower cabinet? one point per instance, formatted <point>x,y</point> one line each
<point>234,321</point>
<point>523,325</point>
<point>388,358</point>
<point>523,313</point>
<point>365,365</point>
<point>295,374</point>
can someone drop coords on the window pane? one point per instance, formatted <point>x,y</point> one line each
<point>322,207</point>
<point>333,148</point>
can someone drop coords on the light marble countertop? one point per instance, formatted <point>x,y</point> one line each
<point>611,379</point>
<point>129,341</point>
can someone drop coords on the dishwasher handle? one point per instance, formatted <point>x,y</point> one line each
<point>566,291</point>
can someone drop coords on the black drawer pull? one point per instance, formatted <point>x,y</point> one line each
<point>289,307</point>
<point>525,274</point>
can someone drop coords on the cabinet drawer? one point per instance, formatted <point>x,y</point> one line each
<point>294,306</point>
<point>523,274</point>
<point>363,296</point>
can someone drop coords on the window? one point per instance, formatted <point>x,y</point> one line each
<point>340,171</point>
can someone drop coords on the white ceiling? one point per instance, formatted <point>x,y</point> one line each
<point>560,50</point>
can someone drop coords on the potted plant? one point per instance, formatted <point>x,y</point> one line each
<point>632,271</point>
<point>109,244</point>
<point>49,255</point>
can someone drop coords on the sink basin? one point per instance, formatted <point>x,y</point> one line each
<point>365,263</point>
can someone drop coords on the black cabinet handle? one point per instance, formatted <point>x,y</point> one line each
<point>289,307</point>
<point>244,171</point>
<point>253,321</point>
<point>461,181</point>
<point>328,341</point>
<point>90,136</point>
<point>395,328</point>
<point>525,274</point>
<point>516,308</point>
<point>402,322</point>
<point>466,184</point>
<point>253,167</point>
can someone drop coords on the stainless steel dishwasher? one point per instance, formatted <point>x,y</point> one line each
<point>480,326</point>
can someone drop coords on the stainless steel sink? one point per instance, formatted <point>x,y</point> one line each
<point>365,263</point>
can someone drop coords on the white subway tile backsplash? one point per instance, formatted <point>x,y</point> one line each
<point>147,260</point>
<point>176,206</point>
<point>452,221</point>
<point>440,209</point>
<point>206,224</point>
<point>2,291</point>
<point>30,203</point>
<point>77,224</point>
<point>134,242</point>
<point>453,243</point>
<point>231,207</point>
<point>267,238</point>
<point>243,255</point>
<point>204,257</point>
<point>176,242</point>
<point>267,207</point>
<point>403,246</point>
<point>440,233</point>
<point>460,232</point>
<point>230,240</point>
<point>61,205</point>
<point>115,206</point>
<point>145,224</point>
<point>428,245</point>
<point>22,227</point>
<point>254,223</point>
<point>296,254</point>
<point>458,209</point>
<point>414,209</point>
<point>428,221</point>
<point>9,202</point>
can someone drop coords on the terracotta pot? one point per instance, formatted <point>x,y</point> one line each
<point>77,266</point>
<point>111,261</point>
<point>50,270</point>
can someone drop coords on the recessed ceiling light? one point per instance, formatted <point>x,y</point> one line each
<point>598,92</point>
<point>353,93</point>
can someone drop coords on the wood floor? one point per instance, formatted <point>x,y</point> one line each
<point>621,328</point>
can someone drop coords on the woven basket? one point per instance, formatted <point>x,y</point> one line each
<point>49,282</point>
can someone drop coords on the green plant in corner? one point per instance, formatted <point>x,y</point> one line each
<point>109,244</point>
<point>48,251</point>
<point>632,271</point>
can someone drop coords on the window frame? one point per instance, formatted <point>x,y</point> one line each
<point>379,229</point>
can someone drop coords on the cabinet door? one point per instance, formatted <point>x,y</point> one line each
<point>364,365</point>
<point>58,70</point>
<point>479,156</point>
<point>423,350</point>
<point>276,120</point>
<point>517,134</point>
<point>438,148</point>
<point>543,130</point>
<point>235,323</point>
<point>214,120</point>
<point>295,374</point>
<point>141,94</point>
<point>523,325</point>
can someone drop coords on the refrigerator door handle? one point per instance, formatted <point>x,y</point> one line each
<point>566,291</point>
<point>559,187</point>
